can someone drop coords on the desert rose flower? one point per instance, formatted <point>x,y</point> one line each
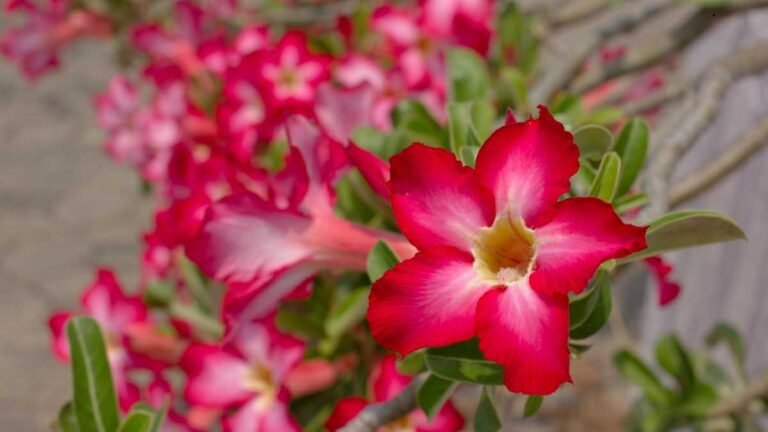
<point>667,288</point>
<point>291,73</point>
<point>246,374</point>
<point>386,383</point>
<point>498,253</point>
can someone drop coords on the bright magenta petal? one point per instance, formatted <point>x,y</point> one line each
<point>528,165</point>
<point>57,323</point>
<point>245,237</point>
<point>345,410</point>
<point>217,379</point>
<point>527,333</point>
<point>583,233</point>
<point>448,419</point>
<point>262,415</point>
<point>374,170</point>
<point>426,301</point>
<point>387,381</point>
<point>436,200</point>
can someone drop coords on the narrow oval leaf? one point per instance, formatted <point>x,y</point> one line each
<point>137,421</point>
<point>486,417</point>
<point>593,141</point>
<point>459,125</point>
<point>687,228</point>
<point>94,393</point>
<point>636,371</point>
<point>632,147</point>
<point>67,420</point>
<point>412,118</point>
<point>607,178</point>
<point>590,313</point>
<point>630,202</point>
<point>532,405</point>
<point>673,358</point>
<point>467,74</point>
<point>348,313</point>
<point>464,362</point>
<point>412,364</point>
<point>158,415</point>
<point>725,333</point>
<point>380,259</point>
<point>433,394</point>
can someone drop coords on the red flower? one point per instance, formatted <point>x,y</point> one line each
<point>247,374</point>
<point>668,289</point>
<point>498,253</point>
<point>387,383</point>
<point>291,72</point>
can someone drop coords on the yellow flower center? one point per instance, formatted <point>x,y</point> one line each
<point>260,380</point>
<point>289,78</point>
<point>403,424</point>
<point>504,252</point>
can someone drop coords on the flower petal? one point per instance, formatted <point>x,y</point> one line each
<point>527,333</point>
<point>261,415</point>
<point>528,165</point>
<point>426,301</point>
<point>216,379</point>
<point>245,237</point>
<point>57,323</point>
<point>345,410</point>
<point>261,343</point>
<point>387,382</point>
<point>436,200</point>
<point>582,234</point>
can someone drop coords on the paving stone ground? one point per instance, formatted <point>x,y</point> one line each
<point>64,209</point>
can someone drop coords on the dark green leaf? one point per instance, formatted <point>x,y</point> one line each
<point>467,74</point>
<point>348,313</point>
<point>725,333</point>
<point>158,416</point>
<point>687,228</point>
<point>590,311</point>
<point>464,362</point>
<point>593,141</point>
<point>577,348</point>
<point>67,420</point>
<point>673,358</point>
<point>137,421</point>
<point>159,294</point>
<point>412,364</point>
<point>607,179</point>
<point>433,393</point>
<point>380,259</point>
<point>486,417</point>
<point>699,400</point>
<point>532,405</point>
<point>413,119</point>
<point>638,372</point>
<point>94,393</point>
<point>632,147</point>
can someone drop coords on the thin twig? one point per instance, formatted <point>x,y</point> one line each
<point>740,401</point>
<point>377,415</point>
<point>673,144</point>
<point>729,160</point>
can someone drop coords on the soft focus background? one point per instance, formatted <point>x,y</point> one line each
<point>65,209</point>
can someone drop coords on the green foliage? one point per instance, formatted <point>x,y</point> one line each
<point>486,417</point>
<point>607,178</point>
<point>687,228</point>
<point>672,357</point>
<point>516,34</point>
<point>95,403</point>
<point>195,282</point>
<point>727,334</point>
<point>532,405</point>
<point>67,420</point>
<point>593,141</point>
<point>641,375</point>
<point>412,364</point>
<point>632,147</point>
<point>433,393</point>
<point>464,362</point>
<point>380,259</point>
<point>590,311</point>
<point>417,124</point>
<point>136,421</point>
<point>468,75</point>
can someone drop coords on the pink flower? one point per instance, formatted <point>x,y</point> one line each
<point>246,374</point>
<point>668,289</point>
<point>118,315</point>
<point>498,253</point>
<point>291,73</point>
<point>387,383</point>
<point>464,22</point>
<point>264,248</point>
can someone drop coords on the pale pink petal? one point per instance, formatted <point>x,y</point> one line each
<point>216,379</point>
<point>436,200</point>
<point>426,301</point>
<point>342,110</point>
<point>527,333</point>
<point>584,233</point>
<point>528,165</point>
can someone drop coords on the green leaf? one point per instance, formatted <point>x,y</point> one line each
<point>94,393</point>
<point>433,393</point>
<point>518,35</point>
<point>464,362</point>
<point>348,313</point>
<point>725,333</point>
<point>483,120</point>
<point>67,420</point>
<point>593,141</point>
<point>158,416</point>
<point>590,311</point>
<point>687,228</point>
<point>380,259</point>
<point>412,118</point>
<point>636,371</point>
<point>137,421</point>
<point>196,284</point>
<point>159,294</point>
<point>486,417</point>
<point>469,155</point>
<point>699,400</point>
<point>532,405</point>
<point>607,179</point>
<point>584,177</point>
<point>459,125</point>
<point>632,147</point>
<point>630,202</point>
<point>412,364</point>
<point>513,87</point>
<point>673,358</point>
<point>468,75</point>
